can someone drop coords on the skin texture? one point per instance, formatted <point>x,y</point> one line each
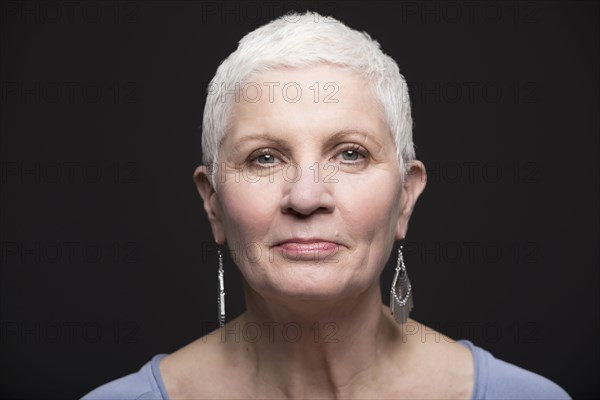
<point>302,167</point>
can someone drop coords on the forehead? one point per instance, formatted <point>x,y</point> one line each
<point>301,102</point>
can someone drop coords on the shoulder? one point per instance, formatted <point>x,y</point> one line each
<point>144,384</point>
<point>497,379</point>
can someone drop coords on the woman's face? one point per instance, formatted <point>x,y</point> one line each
<point>309,194</point>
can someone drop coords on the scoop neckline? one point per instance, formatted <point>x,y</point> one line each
<point>155,364</point>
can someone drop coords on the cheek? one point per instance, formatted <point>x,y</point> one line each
<point>370,205</point>
<point>249,211</point>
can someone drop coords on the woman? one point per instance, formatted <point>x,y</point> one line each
<point>309,178</point>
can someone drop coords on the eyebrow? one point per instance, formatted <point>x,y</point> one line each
<point>267,138</point>
<point>343,133</point>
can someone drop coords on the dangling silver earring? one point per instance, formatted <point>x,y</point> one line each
<point>221,299</point>
<point>401,299</point>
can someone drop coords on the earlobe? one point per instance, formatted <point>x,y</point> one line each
<point>414,184</point>
<point>211,202</point>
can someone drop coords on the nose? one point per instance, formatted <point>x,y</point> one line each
<point>306,192</point>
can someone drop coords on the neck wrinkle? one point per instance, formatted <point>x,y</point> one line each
<point>317,349</point>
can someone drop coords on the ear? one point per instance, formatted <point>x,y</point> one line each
<point>414,183</point>
<point>212,205</point>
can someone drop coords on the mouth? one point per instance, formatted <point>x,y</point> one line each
<point>311,249</point>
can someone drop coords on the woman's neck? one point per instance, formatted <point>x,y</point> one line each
<point>302,348</point>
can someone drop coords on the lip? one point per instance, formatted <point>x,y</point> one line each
<point>305,241</point>
<point>307,248</point>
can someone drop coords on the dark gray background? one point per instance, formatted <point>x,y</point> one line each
<point>106,252</point>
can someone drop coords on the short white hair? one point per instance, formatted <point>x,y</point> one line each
<point>303,40</point>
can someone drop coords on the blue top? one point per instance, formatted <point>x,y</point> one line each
<point>494,379</point>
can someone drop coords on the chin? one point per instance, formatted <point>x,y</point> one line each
<point>313,282</point>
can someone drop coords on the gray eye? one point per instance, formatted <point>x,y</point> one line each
<point>350,155</point>
<point>265,159</point>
